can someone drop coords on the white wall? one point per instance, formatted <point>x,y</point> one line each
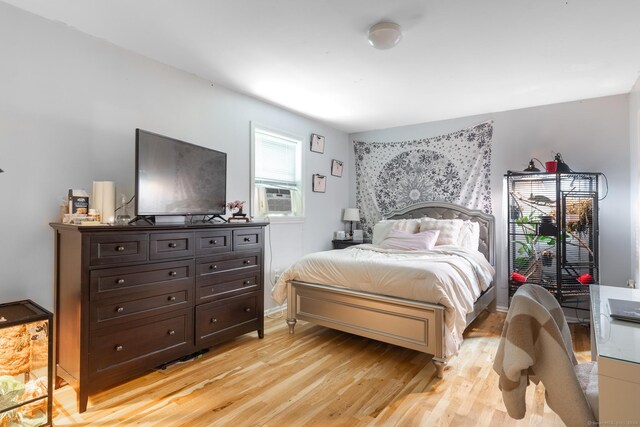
<point>69,104</point>
<point>634,160</point>
<point>592,135</point>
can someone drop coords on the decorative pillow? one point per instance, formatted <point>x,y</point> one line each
<point>397,239</point>
<point>449,229</point>
<point>469,235</point>
<point>382,228</point>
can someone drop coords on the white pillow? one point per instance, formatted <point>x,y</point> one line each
<point>382,228</point>
<point>397,239</point>
<point>469,235</point>
<point>449,229</point>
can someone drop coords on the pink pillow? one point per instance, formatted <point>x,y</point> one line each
<point>397,239</point>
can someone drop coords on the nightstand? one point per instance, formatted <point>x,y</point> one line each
<point>341,244</point>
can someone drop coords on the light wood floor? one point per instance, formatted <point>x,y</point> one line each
<point>317,377</point>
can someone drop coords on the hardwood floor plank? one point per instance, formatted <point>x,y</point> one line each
<point>318,377</point>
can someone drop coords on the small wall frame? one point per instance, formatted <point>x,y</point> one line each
<point>336,167</point>
<point>317,143</point>
<point>319,183</point>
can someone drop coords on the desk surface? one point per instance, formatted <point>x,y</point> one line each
<point>615,339</point>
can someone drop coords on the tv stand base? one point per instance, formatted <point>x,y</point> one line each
<point>213,217</point>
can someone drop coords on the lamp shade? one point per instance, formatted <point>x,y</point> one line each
<point>384,35</point>
<point>351,214</point>
<point>532,167</point>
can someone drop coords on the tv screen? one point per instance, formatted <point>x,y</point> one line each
<point>177,178</point>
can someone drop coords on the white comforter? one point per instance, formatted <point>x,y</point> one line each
<point>448,275</point>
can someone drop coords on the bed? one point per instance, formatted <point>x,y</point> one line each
<point>404,320</point>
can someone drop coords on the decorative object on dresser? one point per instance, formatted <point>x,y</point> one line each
<point>26,355</point>
<point>238,215</point>
<point>183,288</point>
<point>553,232</point>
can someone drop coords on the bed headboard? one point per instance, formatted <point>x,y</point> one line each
<point>445,210</point>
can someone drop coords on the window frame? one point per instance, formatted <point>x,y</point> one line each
<point>299,140</point>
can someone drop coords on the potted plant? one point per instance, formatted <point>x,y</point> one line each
<point>532,249</point>
<point>237,205</point>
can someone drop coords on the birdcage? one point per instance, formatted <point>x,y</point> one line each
<point>553,231</point>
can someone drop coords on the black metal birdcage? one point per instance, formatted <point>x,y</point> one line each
<point>552,232</point>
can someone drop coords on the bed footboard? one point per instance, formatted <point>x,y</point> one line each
<point>410,324</point>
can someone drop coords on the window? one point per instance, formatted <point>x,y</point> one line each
<point>277,173</point>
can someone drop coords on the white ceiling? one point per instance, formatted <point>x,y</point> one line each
<point>456,58</point>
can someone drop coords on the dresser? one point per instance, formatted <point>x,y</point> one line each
<point>131,298</point>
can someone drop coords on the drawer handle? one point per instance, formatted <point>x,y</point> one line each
<point>171,332</point>
<point>213,267</point>
<point>119,248</point>
<point>171,298</point>
<point>120,281</point>
<point>119,348</point>
<point>173,245</point>
<point>119,309</point>
<point>247,261</point>
<point>213,242</point>
<point>214,320</point>
<point>247,310</point>
<point>246,239</point>
<point>173,273</point>
<point>247,282</point>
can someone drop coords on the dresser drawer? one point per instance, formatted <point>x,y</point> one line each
<point>111,282</point>
<point>213,242</point>
<point>227,262</point>
<point>118,248</point>
<point>247,238</point>
<point>115,347</point>
<point>117,311</point>
<point>170,245</point>
<point>221,317</point>
<point>224,285</point>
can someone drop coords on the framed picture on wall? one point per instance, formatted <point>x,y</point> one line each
<point>319,183</point>
<point>317,143</point>
<point>336,167</point>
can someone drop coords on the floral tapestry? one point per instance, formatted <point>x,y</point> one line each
<point>454,168</point>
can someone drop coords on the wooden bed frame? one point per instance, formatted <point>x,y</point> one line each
<point>406,323</point>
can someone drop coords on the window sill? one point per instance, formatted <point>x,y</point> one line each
<point>282,219</point>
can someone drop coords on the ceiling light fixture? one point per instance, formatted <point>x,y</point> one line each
<point>384,35</point>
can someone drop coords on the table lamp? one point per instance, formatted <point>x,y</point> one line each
<point>351,215</point>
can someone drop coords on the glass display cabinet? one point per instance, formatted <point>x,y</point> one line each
<point>26,354</point>
<point>553,232</point>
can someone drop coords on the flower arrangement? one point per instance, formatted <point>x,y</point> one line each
<point>236,204</point>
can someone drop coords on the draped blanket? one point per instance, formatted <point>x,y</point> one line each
<point>536,341</point>
<point>454,168</point>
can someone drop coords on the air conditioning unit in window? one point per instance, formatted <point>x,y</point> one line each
<point>278,200</point>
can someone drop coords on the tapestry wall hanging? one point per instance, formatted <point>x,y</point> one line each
<point>454,168</point>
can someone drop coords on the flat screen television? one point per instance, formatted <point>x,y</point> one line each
<point>174,177</point>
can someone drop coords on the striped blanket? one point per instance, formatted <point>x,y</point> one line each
<point>536,344</point>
